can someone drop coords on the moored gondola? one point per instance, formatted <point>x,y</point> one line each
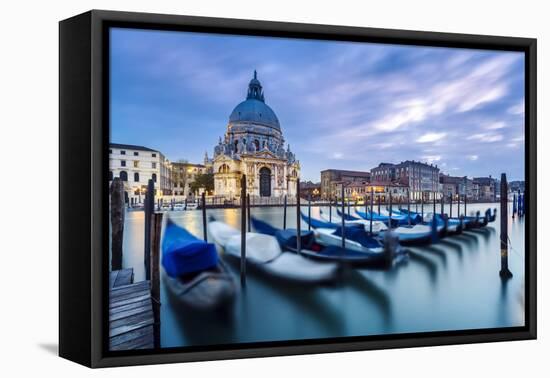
<point>195,274</point>
<point>264,254</point>
<point>382,255</point>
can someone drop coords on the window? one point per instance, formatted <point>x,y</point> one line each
<point>136,153</point>
<point>123,176</point>
<point>110,151</point>
<point>136,163</point>
<point>224,169</point>
<point>154,155</point>
<point>154,165</point>
<point>123,163</point>
<point>122,152</point>
<point>136,177</point>
<point>110,175</point>
<point>154,177</point>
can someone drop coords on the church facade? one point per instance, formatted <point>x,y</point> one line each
<point>254,145</point>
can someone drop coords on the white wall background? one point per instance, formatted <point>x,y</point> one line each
<point>29,144</point>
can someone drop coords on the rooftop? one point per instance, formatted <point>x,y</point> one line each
<point>346,172</point>
<point>130,147</point>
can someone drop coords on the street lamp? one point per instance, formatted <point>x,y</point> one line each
<point>315,193</point>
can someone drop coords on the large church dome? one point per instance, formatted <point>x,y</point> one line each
<point>254,109</point>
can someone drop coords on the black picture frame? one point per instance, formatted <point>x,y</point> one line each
<point>83,197</point>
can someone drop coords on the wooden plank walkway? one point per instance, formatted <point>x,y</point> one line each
<point>130,312</point>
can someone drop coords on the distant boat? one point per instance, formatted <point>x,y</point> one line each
<point>195,274</point>
<point>191,206</point>
<point>407,235</point>
<point>356,236</point>
<point>377,226</point>
<point>396,220</point>
<point>264,254</point>
<point>316,248</point>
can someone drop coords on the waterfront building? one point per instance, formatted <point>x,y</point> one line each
<point>422,179</point>
<point>310,190</point>
<point>459,185</point>
<point>183,177</point>
<point>513,186</point>
<point>487,188</point>
<point>254,145</point>
<point>357,191</point>
<point>331,180</point>
<point>135,165</point>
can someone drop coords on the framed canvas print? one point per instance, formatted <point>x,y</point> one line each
<point>234,188</point>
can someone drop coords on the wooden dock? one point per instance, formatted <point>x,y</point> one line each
<point>131,320</point>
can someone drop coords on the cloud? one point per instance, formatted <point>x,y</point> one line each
<point>486,137</point>
<point>432,158</point>
<point>495,125</point>
<point>517,109</point>
<point>473,157</point>
<point>431,137</point>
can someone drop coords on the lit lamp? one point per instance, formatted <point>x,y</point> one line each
<point>315,192</point>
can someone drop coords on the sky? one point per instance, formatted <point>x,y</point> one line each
<point>342,105</point>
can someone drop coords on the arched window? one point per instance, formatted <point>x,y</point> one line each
<point>223,169</point>
<point>123,176</point>
<point>257,144</point>
<point>136,177</point>
<point>110,175</point>
<point>154,177</point>
<point>236,145</point>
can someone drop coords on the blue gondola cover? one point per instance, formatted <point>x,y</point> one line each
<point>183,253</point>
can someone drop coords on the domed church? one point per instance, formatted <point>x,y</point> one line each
<point>253,144</point>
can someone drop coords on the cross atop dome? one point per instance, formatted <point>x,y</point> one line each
<point>255,89</point>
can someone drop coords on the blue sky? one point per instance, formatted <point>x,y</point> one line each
<point>340,104</point>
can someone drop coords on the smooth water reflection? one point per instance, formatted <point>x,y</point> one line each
<point>451,285</point>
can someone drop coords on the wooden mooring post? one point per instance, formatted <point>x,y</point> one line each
<point>284,213</point>
<point>149,209</point>
<point>504,271</point>
<point>390,210</point>
<point>248,213</point>
<point>243,230</point>
<point>156,229</point>
<point>298,219</point>
<point>451,205</point>
<point>465,197</point>
<point>343,220</point>
<point>457,201</point>
<point>117,223</point>
<point>408,206</point>
<point>203,209</point>
<point>309,213</point>
<point>514,206</point>
<point>371,209</point>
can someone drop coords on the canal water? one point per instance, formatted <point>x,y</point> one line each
<point>451,285</point>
